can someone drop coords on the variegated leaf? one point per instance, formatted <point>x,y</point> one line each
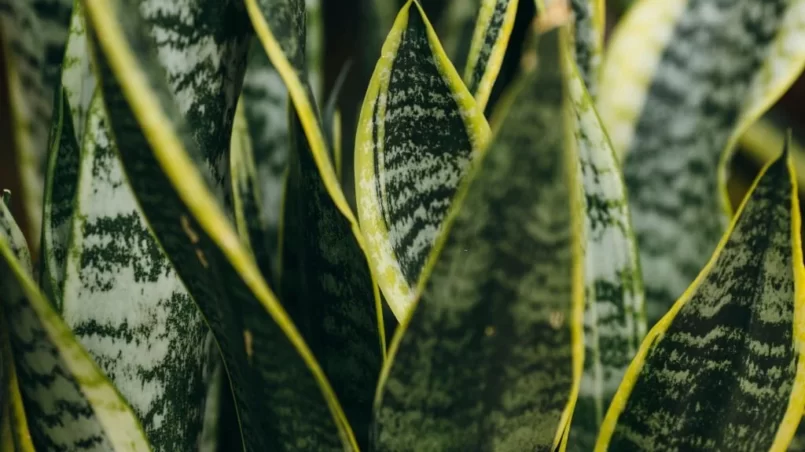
<point>54,19</point>
<point>491,356</point>
<point>69,403</point>
<point>122,298</point>
<point>614,316</point>
<point>673,108</point>
<point>588,42</point>
<point>489,42</point>
<point>724,369</point>
<point>77,77</point>
<point>418,133</point>
<point>284,400</point>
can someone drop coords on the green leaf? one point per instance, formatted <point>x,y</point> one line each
<point>490,39</point>
<point>69,402</point>
<point>418,134</point>
<point>53,18</point>
<point>491,356</point>
<point>122,298</point>
<point>588,42</point>
<point>77,77</point>
<point>682,109</point>
<point>724,369</point>
<point>614,317</point>
<point>314,45</point>
<point>283,398</point>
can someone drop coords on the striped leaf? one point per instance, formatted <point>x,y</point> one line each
<point>69,402</point>
<point>283,398</point>
<point>588,42</point>
<point>490,39</point>
<point>77,77</point>
<point>122,298</point>
<point>614,317</point>
<point>334,301</point>
<point>672,109</point>
<point>418,132</point>
<point>724,369</point>
<point>490,358</point>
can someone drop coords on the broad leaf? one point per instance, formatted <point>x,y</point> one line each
<point>490,39</point>
<point>121,297</point>
<point>68,401</point>
<point>614,317</point>
<point>418,133</point>
<point>724,369</point>
<point>672,108</point>
<point>491,356</point>
<point>283,398</point>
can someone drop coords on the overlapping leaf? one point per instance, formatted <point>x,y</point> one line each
<point>724,369</point>
<point>419,131</point>
<point>672,108</point>
<point>284,401</point>
<point>491,356</point>
<point>68,401</point>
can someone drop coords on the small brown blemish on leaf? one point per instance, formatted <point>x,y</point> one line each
<point>201,258</point>
<point>188,230</point>
<point>557,319</point>
<point>247,341</point>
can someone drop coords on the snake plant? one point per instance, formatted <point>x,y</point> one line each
<point>540,253</point>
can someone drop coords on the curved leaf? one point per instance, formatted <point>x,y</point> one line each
<point>614,317</point>
<point>725,368</point>
<point>490,39</point>
<point>672,108</point>
<point>491,356</point>
<point>418,133</point>
<point>122,299</point>
<point>284,400</point>
<point>69,402</point>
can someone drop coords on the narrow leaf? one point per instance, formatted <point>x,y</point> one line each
<point>15,435</point>
<point>283,399</point>
<point>77,77</point>
<point>418,133</point>
<point>614,317</point>
<point>489,42</point>
<point>673,109</point>
<point>588,42</point>
<point>460,23</point>
<point>491,356</point>
<point>122,298</point>
<point>724,369</point>
<point>69,402</point>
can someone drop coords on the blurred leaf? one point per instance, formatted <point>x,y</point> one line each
<point>672,112</point>
<point>284,400</point>
<point>418,133</point>
<point>122,297</point>
<point>588,42</point>
<point>459,22</point>
<point>69,402</point>
<point>489,42</point>
<point>491,357</point>
<point>724,369</point>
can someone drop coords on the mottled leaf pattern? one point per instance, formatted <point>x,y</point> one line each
<point>491,356</point>
<point>673,107</point>
<point>589,17</point>
<point>614,317</point>
<point>78,78</point>
<point>125,303</point>
<point>284,401</point>
<point>724,370</point>
<point>418,133</point>
<point>489,42</point>
<point>69,403</point>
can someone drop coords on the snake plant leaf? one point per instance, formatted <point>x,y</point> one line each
<point>77,77</point>
<point>283,398</point>
<point>336,307</point>
<point>121,297</point>
<point>588,42</point>
<point>491,356</point>
<point>490,39</point>
<point>673,117</point>
<point>418,133</point>
<point>213,404</point>
<point>614,317</point>
<point>314,46</point>
<point>54,19</point>
<point>724,369</point>
<point>69,402</point>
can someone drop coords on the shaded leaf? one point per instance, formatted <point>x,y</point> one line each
<point>724,369</point>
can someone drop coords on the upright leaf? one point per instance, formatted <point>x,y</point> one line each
<point>588,40</point>
<point>614,317</point>
<point>122,298</point>
<point>490,39</point>
<point>724,369</point>
<point>69,402</point>
<point>672,108</point>
<point>418,134</point>
<point>77,76</point>
<point>284,401</point>
<point>491,356</point>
